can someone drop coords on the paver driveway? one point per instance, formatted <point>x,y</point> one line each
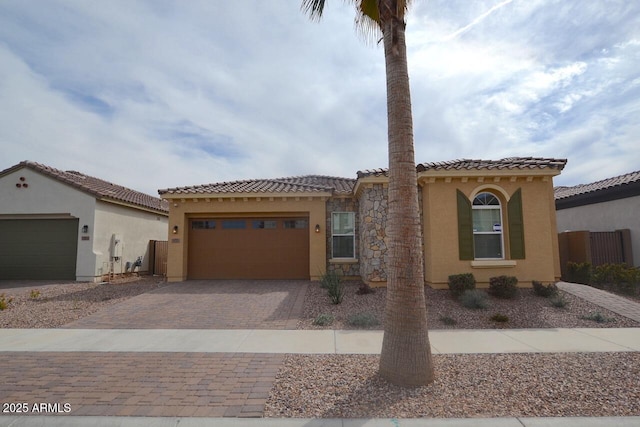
<point>206,304</point>
<point>165,384</point>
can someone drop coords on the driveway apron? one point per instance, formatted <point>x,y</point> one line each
<point>206,304</point>
<point>159,383</point>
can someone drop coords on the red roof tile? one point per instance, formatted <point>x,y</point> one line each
<point>98,188</point>
<point>469,164</point>
<point>295,184</point>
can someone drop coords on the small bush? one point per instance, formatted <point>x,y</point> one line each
<point>474,299</point>
<point>503,287</point>
<point>448,320</point>
<point>4,302</point>
<point>35,294</point>
<point>365,289</point>
<point>579,272</point>
<point>500,318</point>
<point>324,319</point>
<point>558,301</point>
<point>617,277</point>
<point>363,320</point>
<point>328,279</point>
<point>545,291</point>
<point>334,286</point>
<point>459,283</point>
<point>597,317</point>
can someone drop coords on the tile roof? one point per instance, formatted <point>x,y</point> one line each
<point>617,182</point>
<point>98,188</point>
<point>294,184</point>
<point>469,164</point>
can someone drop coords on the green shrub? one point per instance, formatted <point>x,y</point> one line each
<point>558,301</point>
<point>363,320</point>
<point>579,272</point>
<point>459,283</point>
<point>545,291</point>
<point>500,318</point>
<point>4,302</point>
<point>324,319</point>
<point>334,286</point>
<point>617,277</point>
<point>328,279</point>
<point>35,294</point>
<point>597,317</point>
<point>448,320</point>
<point>474,299</point>
<point>503,287</point>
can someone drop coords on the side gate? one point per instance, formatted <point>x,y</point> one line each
<point>158,250</point>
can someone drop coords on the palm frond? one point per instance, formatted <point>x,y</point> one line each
<point>313,8</point>
<point>367,21</point>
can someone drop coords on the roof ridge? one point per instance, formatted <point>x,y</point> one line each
<point>110,190</point>
<point>607,179</point>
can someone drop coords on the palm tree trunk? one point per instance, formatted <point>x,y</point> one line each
<point>406,352</point>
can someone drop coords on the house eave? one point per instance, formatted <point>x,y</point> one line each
<point>369,180</point>
<point>599,196</point>
<point>430,176</point>
<point>133,206</point>
<point>249,195</point>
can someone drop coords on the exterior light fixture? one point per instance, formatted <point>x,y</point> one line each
<point>85,229</point>
<point>317,228</point>
<point>175,229</point>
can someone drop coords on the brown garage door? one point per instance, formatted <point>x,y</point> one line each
<point>249,248</point>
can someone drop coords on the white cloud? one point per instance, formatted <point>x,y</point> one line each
<point>161,94</point>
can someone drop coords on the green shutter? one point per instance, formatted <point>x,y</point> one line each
<point>516,225</point>
<point>465,227</point>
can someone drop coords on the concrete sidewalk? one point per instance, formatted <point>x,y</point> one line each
<point>144,374</point>
<point>309,422</point>
<point>315,341</point>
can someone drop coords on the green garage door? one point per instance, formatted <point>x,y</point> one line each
<point>38,249</point>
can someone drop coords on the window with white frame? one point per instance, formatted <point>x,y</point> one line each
<point>343,242</point>
<point>487,227</point>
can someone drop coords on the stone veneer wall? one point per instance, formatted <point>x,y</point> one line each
<point>348,269</point>
<point>373,208</point>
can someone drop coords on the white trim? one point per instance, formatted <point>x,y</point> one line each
<point>343,261</point>
<point>501,232</point>
<point>493,263</point>
<point>353,215</point>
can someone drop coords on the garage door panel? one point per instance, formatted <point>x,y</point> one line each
<point>263,249</point>
<point>43,249</point>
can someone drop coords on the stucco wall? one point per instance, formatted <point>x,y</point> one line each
<point>45,196</point>
<point>440,228</point>
<point>135,227</point>
<point>181,210</point>
<point>606,216</point>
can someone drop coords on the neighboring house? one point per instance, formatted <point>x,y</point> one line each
<point>65,225</point>
<point>607,205</point>
<point>488,218</point>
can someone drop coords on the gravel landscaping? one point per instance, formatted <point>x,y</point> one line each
<point>47,305</point>
<point>526,311</point>
<point>466,386</point>
<point>469,385</point>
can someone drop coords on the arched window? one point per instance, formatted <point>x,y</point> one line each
<point>487,226</point>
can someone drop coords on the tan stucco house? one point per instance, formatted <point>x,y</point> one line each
<point>57,224</point>
<point>486,217</point>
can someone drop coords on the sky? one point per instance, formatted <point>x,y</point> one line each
<point>159,94</point>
